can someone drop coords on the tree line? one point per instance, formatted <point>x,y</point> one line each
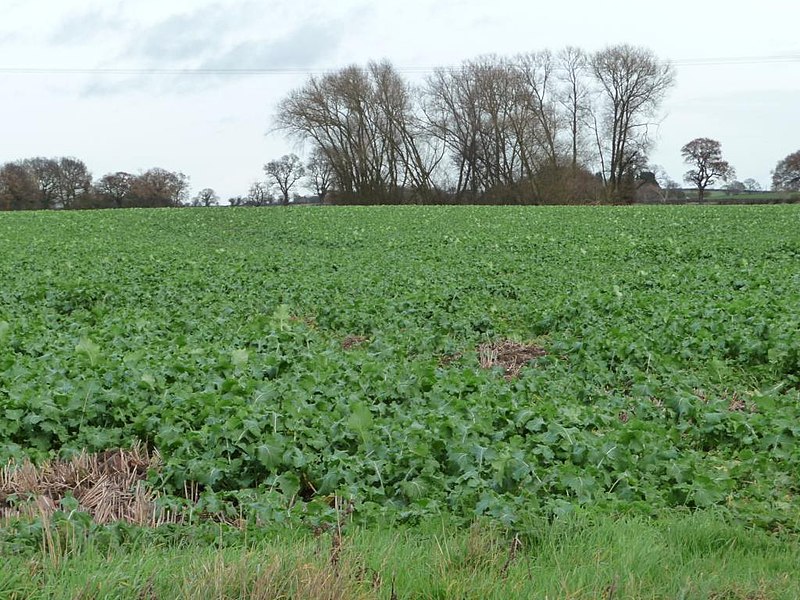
<point>66,183</point>
<point>542,127</point>
<point>538,127</point>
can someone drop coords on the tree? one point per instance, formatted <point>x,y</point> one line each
<point>497,118</point>
<point>751,185</point>
<point>114,189</point>
<point>574,96</point>
<point>62,182</point>
<point>18,188</point>
<point>786,176</point>
<point>73,184</point>
<point>286,172</point>
<point>320,174</point>
<point>735,187</point>
<point>632,84</point>
<point>367,124</point>
<point>206,197</point>
<point>259,195</point>
<point>158,188</point>
<point>45,172</point>
<point>705,155</point>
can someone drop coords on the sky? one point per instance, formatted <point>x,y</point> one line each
<point>74,81</point>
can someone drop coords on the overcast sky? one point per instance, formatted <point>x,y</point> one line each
<point>214,128</point>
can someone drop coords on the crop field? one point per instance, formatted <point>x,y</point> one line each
<point>515,363</point>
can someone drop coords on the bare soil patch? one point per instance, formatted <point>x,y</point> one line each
<point>509,355</point>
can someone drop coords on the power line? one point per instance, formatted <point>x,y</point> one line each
<point>737,60</point>
<point>289,71</point>
<point>199,71</point>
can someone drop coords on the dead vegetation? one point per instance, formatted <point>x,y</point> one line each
<point>307,320</point>
<point>449,359</point>
<point>738,404</point>
<point>353,341</point>
<point>509,355</point>
<point>109,486</point>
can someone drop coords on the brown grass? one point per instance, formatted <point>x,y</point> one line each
<point>110,486</point>
<point>510,356</point>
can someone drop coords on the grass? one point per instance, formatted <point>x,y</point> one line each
<point>682,556</point>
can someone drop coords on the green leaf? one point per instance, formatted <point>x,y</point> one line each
<point>360,418</point>
<point>581,485</point>
<point>270,452</point>
<point>414,489</point>
<point>289,484</point>
<point>89,349</point>
<point>239,357</point>
<point>282,316</point>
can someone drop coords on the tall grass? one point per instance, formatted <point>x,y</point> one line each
<point>686,556</point>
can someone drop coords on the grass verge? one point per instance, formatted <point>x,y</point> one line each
<point>682,556</point>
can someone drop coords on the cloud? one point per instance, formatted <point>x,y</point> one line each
<point>191,35</point>
<point>302,48</point>
<point>83,27</point>
<point>229,36</point>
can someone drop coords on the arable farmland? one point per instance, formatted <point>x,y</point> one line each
<point>278,358</point>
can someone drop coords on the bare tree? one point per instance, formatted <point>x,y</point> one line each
<point>751,185</point>
<point>409,158</point>
<point>669,188</point>
<point>320,174</point>
<point>481,114</point>
<point>286,172</point>
<point>206,197</point>
<point>786,176</point>
<point>333,113</point>
<point>365,123</point>
<point>537,90</point>
<point>574,96</point>
<point>506,128</point>
<point>451,107</point>
<point>705,155</point>
<point>259,195</point>
<point>632,83</point>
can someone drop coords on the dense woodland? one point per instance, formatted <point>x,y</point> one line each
<point>544,127</point>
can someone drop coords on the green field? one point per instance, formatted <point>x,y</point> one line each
<point>745,197</point>
<point>280,358</point>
